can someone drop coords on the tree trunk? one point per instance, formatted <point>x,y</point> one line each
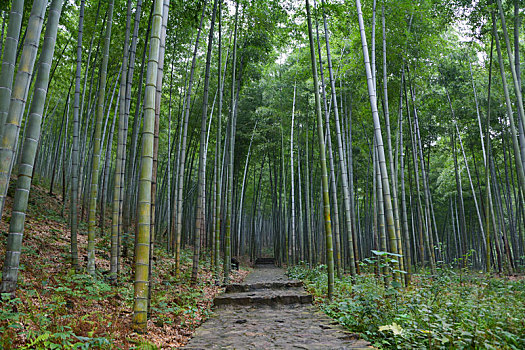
<point>219,177</point>
<point>182,159</point>
<point>344,171</point>
<point>97,144</point>
<point>13,119</point>
<point>130,170</point>
<point>229,201</point>
<point>324,169</point>
<point>394,242</point>
<point>140,307</point>
<point>200,218</point>
<point>120,159</point>
<point>23,187</point>
<point>9,59</point>
<point>75,153</point>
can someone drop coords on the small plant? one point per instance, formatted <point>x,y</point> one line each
<point>143,344</point>
<point>387,262</point>
<point>10,317</point>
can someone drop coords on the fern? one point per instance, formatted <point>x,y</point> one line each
<point>40,339</point>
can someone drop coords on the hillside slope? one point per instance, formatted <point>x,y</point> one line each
<point>55,308</point>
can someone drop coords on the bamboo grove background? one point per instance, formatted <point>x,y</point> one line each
<point>316,132</point>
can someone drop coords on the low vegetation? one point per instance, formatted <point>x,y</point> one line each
<point>454,309</point>
<point>57,309</point>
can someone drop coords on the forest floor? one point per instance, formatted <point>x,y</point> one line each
<point>453,309</point>
<point>56,308</point>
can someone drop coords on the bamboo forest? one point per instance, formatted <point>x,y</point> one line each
<point>262,174</point>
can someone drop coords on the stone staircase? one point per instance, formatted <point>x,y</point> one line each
<point>270,311</point>
<point>267,286</point>
<point>264,261</point>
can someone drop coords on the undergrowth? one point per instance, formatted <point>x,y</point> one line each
<point>56,308</point>
<point>452,310</point>
<point>80,311</point>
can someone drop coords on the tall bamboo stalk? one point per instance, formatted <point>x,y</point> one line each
<point>182,158</point>
<point>200,218</point>
<point>75,152</point>
<point>386,112</point>
<point>342,164</point>
<point>218,178</point>
<point>488,197</point>
<point>512,64</point>
<point>246,163</point>
<point>292,250</point>
<point>121,151</point>
<point>97,143</point>
<point>9,58</point>
<point>130,164</point>
<point>229,201</point>
<point>13,119</point>
<point>27,161</point>
<point>510,114</point>
<point>324,169</point>
<point>394,241</point>
<point>140,307</point>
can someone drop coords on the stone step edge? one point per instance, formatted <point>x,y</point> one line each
<point>264,261</point>
<point>242,287</point>
<point>263,300</point>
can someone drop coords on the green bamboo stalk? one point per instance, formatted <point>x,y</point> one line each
<point>140,307</point>
<point>510,114</point>
<point>307,197</point>
<point>242,194</point>
<point>200,217</point>
<point>16,225</point>
<point>324,169</point>
<point>488,197</point>
<point>9,58</point>
<point>342,163</point>
<point>408,254</point>
<point>218,178</point>
<point>293,249</point>
<point>158,99</point>
<point>11,128</point>
<point>389,144</point>
<point>229,186</point>
<point>336,230</point>
<point>75,152</point>
<point>515,74</point>
<point>130,164</point>
<point>394,242</point>
<point>97,144</point>
<point>182,159</point>
<point>121,151</point>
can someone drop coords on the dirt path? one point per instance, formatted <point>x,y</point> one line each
<point>269,311</point>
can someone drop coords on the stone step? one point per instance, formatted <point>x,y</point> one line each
<point>265,261</point>
<point>273,285</point>
<point>264,297</point>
